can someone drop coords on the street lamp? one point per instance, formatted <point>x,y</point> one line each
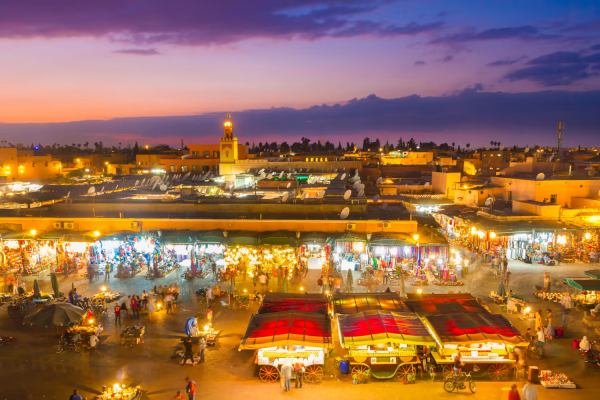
<point>33,232</point>
<point>588,236</point>
<point>492,235</point>
<point>416,237</point>
<point>96,233</point>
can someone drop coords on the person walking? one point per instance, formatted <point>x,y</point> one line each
<point>159,292</point>
<point>117,314</point>
<point>76,396</point>
<point>299,368</point>
<point>530,392</point>
<point>165,291</point>
<point>106,272</point>
<point>202,343</point>
<point>262,280</point>
<point>134,308</point>
<point>187,345</point>
<point>190,389</point>
<point>507,278</point>
<point>286,375</point>
<point>513,394</point>
<point>144,298</point>
<point>538,320</point>
<point>505,264</point>
<point>128,307</point>
<point>151,308</point>
<point>169,301</point>
<point>176,292</point>
<point>547,280</point>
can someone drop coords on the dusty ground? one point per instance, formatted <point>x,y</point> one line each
<point>32,369</point>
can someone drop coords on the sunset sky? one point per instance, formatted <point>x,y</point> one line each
<point>429,69</point>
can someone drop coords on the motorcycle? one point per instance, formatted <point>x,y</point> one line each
<point>459,382</point>
<point>76,347</point>
<point>6,340</point>
<point>592,355</point>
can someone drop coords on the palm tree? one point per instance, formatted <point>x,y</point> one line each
<point>492,143</point>
<point>468,145</point>
<point>452,144</point>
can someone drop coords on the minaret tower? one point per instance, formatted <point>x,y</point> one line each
<point>229,148</point>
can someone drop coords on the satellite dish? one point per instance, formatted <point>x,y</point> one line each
<point>487,148</point>
<point>592,172</point>
<point>231,189</point>
<point>262,175</point>
<point>551,158</point>
<point>355,185</point>
<point>379,180</point>
<point>163,187</point>
<point>320,194</point>
<point>345,212</point>
<point>303,196</point>
<point>465,179</point>
<point>347,194</point>
<point>289,175</point>
<point>300,170</point>
<point>426,185</point>
<point>68,194</point>
<point>136,183</point>
<point>261,171</point>
<point>540,177</point>
<point>116,187</point>
<point>361,193</point>
<point>343,176</point>
<point>527,150</point>
<point>270,176</point>
<point>248,171</point>
<point>336,170</point>
<point>384,205</point>
<point>92,190</point>
<point>153,186</point>
<point>376,198</point>
<point>285,197</point>
<point>289,184</point>
<point>308,170</point>
<point>502,147</point>
<point>281,175</point>
<point>489,201</point>
<point>102,191</point>
<point>361,187</point>
<point>143,181</point>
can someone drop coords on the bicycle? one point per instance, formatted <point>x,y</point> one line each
<point>459,382</point>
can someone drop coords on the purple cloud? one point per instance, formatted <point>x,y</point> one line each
<point>420,63</point>
<point>551,75</point>
<point>139,52</point>
<point>506,61</point>
<point>470,115</point>
<point>447,59</point>
<point>199,23</point>
<point>559,57</point>
<point>526,32</point>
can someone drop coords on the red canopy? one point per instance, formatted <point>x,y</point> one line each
<point>380,327</point>
<point>281,302</point>
<point>439,304</point>
<point>288,328</point>
<point>474,328</point>
<point>352,303</point>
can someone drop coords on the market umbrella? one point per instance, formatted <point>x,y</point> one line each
<point>501,290</point>
<point>402,292</point>
<point>36,289</point>
<point>349,281</point>
<point>59,314</point>
<point>54,281</point>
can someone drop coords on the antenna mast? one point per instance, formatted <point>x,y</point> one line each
<point>561,127</point>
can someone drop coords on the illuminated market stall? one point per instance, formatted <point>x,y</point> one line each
<point>351,303</point>
<point>585,291</point>
<point>384,344</point>
<point>128,253</point>
<point>315,250</point>
<point>351,252</point>
<point>485,342</point>
<point>289,337</point>
<point>281,302</point>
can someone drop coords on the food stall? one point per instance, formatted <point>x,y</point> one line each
<point>120,392</point>
<point>384,343</point>
<point>485,342</point>
<point>352,303</point>
<point>586,291</point>
<point>439,304</point>
<point>289,336</point>
<point>315,251</point>
<point>351,252</point>
<point>280,302</point>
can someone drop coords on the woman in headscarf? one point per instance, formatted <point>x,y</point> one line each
<point>538,320</point>
<point>585,344</point>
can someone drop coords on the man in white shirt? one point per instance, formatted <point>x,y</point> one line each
<point>262,279</point>
<point>93,341</point>
<point>530,392</point>
<point>540,338</point>
<point>169,300</point>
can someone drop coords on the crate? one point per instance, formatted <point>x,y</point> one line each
<point>549,385</point>
<point>568,386</point>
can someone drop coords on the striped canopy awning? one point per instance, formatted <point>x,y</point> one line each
<point>352,303</point>
<point>438,304</point>
<point>474,328</point>
<point>380,327</point>
<point>281,302</point>
<point>583,283</point>
<point>287,328</point>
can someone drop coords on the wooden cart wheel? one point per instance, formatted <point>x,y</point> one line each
<point>313,374</point>
<point>498,372</point>
<point>403,371</point>
<point>268,374</point>
<point>448,370</point>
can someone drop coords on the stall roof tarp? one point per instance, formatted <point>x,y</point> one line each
<point>474,328</point>
<point>18,236</point>
<point>179,237</point>
<point>439,304</point>
<point>594,273</point>
<point>317,238</point>
<point>245,238</point>
<point>281,302</point>
<point>380,327</point>
<point>211,237</point>
<point>287,328</point>
<point>79,237</point>
<point>391,239</point>
<point>53,235</point>
<point>278,238</point>
<point>352,303</point>
<point>583,283</point>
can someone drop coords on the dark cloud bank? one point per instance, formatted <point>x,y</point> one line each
<point>470,115</point>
